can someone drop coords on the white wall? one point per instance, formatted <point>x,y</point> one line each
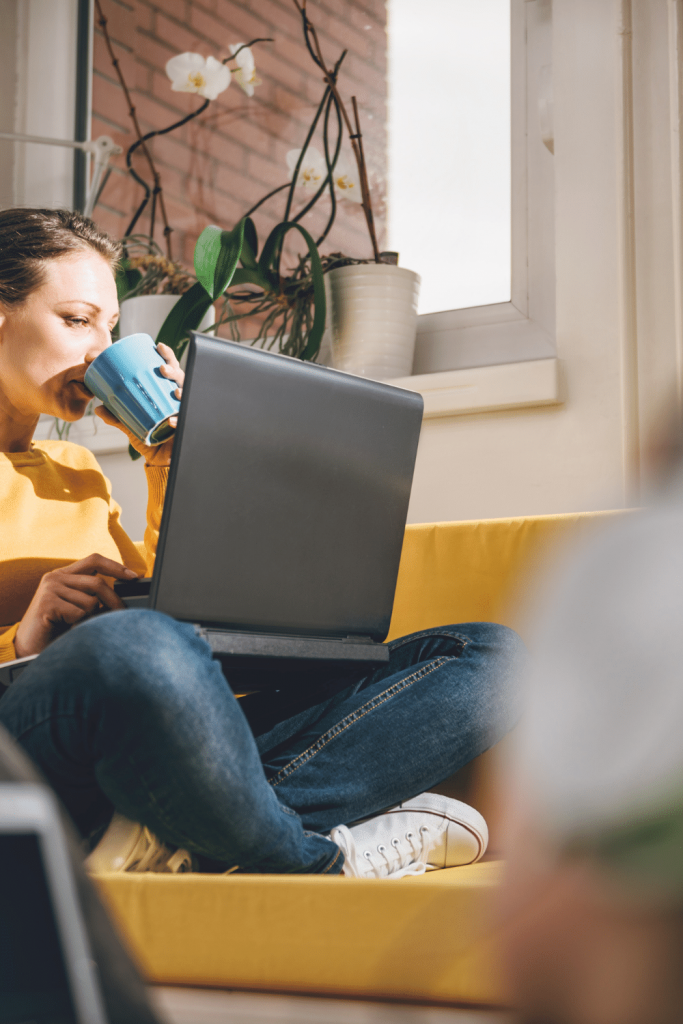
<point>129,488</point>
<point>617,286</point>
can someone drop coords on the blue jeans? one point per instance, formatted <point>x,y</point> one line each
<point>129,711</point>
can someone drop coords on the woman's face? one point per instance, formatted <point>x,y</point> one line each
<point>48,342</point>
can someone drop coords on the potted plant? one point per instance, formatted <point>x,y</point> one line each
<point>149,285</point>
<point>368,305</point>
<point>372,302</point>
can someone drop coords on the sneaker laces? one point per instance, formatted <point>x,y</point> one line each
<point>407,856</point>
<point>162,858</point>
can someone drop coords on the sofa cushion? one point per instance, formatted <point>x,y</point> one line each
<point>426,939</point>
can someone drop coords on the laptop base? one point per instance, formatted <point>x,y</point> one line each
<point>257,661</point>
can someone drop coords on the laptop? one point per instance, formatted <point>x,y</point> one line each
<point>285,510</point>
<point>284,514</point>
<point>47,971</point>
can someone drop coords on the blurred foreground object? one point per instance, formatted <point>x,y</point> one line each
<point>594,898</point>
<point>61,961</point>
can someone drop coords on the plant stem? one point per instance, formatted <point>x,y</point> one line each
<point>330,167</point>
<point>245,46</point>
<point>330,164</point>
<point>157,185</point>
<point>295,175</point>
<point>102,21</point>
<point>249,212</point>
<point>354,136</point>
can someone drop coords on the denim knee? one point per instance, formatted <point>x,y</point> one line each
<point>135,653</point>
<point>506,656</point>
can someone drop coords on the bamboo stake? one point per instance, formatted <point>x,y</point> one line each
<point>355,137</point>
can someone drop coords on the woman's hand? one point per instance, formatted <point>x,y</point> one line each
<point>66,596</point>
<point>158,455</point>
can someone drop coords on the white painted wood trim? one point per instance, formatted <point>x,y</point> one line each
<point>628,323</point>
<point>676,130</point>
<point>487,388</point>
<point>90,432</point>
<point>446,339</point>
<point>479,336</point>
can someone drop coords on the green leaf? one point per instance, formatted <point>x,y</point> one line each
<point>244,276</point>
<point>269,249</point>
<point>185,316</point>
<point>216,256</point>
<point>126,280</point>
<point>228,258</point>
<point>250,247</point>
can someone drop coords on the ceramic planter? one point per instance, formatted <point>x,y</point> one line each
<point>144,314</point>
<point>372,319</point>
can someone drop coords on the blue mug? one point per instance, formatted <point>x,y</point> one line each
<point>126,378</point>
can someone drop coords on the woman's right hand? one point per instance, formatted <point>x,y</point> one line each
<point>66,596</point>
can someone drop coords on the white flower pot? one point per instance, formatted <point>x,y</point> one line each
<point>372,319</point>
<point>145,314</point>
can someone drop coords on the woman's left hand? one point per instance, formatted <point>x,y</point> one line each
<point>158,455</point>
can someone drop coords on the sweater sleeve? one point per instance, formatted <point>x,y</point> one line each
<point>157,478</point>
<point>7,652</point>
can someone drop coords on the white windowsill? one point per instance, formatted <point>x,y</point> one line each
<point>451,393</point>
<point>487,388</point>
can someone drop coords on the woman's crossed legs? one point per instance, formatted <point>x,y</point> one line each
<point>129,711</point>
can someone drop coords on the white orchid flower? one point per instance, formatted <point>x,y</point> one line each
<point>346,179</point>
<point>190,72</point>
<point>312,170</point>
<point>245,72</point>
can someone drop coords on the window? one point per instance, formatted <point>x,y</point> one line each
<point>449,136</point>
<point>44,91</point>
<point>488,276</point>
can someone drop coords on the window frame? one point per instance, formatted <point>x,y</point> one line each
<point>524,328</point>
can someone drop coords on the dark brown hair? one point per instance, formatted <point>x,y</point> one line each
<point>29,237</point>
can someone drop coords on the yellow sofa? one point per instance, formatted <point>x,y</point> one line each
<point>427,939</point>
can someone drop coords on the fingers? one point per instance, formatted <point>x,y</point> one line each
<point>103,413</point>
<point>70,605</point>
<point>99,564</point>
<point>88,592</point>
<point>169,355</point>
<point>171,369</point>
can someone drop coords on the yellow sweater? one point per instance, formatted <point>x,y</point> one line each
<point>56,508</point>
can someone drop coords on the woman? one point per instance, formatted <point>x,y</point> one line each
<point>127,712</point>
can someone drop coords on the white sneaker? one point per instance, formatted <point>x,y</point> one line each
<point>129,846</point>
<point>422,834</point>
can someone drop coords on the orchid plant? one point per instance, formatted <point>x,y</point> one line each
<point>290,307</point>
<point>208,77</point>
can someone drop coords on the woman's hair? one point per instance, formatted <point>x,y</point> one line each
<point>29,237</point>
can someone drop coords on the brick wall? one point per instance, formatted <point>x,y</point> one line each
<point>214,168</point>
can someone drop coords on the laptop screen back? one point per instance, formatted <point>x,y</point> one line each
<point>287,497</point>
